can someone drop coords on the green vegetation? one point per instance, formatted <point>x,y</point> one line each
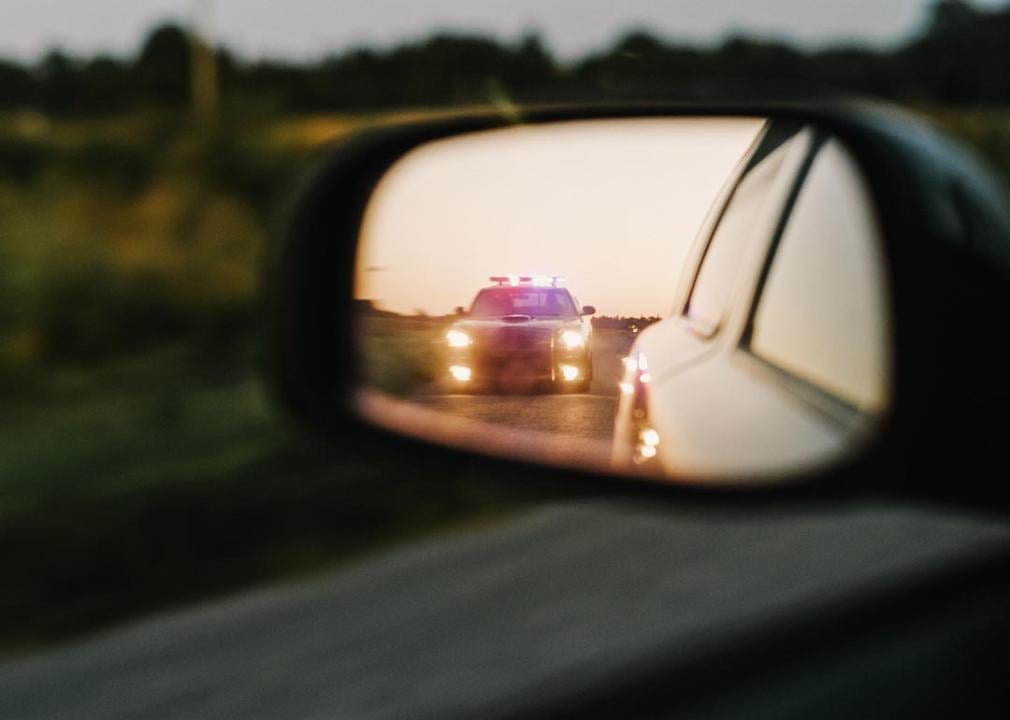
<point>402,355</point>
<point>120,235</point>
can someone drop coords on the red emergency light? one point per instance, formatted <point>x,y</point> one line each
<point>537,280</point>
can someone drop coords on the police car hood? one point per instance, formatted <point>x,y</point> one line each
<point>478,326</point>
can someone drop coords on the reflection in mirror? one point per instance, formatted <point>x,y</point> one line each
<point>692,299</point>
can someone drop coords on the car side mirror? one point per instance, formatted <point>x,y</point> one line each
<point>588,310</point>
<point>808,307</point>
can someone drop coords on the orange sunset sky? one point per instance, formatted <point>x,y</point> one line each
<point>611,205</point>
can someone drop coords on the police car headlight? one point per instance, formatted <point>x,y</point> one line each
<point>572,339</point>
<point>458,339</point>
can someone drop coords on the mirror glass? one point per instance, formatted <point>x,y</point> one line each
<point>691,299</point>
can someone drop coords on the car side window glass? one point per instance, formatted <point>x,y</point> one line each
<point>713,284</point>
<point>822,315</point>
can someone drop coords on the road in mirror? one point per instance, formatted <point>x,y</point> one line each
<point>700,298</point>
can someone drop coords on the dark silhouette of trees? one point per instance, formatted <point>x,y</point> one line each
<point>57,82</point>
<point>16,85</point>
<point>162,71</point>
<point>960,57</point>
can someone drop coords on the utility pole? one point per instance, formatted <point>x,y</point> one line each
<point>203,78</point>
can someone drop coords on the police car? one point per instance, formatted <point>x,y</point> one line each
<point>522,331</point>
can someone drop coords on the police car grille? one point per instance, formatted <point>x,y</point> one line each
<point>522,339</point>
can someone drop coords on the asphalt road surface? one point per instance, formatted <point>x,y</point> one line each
<point>582,416</point>
<point>499,621</point>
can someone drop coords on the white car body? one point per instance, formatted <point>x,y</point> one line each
<point>698,399</point>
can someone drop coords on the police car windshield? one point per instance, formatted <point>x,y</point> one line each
<point>536,302</point>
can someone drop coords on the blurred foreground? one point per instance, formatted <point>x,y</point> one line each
<point>141,464</point>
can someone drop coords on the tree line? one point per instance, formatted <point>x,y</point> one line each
<point>960,57</point>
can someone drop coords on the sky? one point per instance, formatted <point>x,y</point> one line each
<point>613,206</point>
<point>304,29</point>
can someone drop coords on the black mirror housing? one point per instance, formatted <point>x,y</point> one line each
<point>946,229</point>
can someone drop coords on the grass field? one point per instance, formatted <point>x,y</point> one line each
<point>402,355</point>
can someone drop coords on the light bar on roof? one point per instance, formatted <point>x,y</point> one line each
<point>537,280</point>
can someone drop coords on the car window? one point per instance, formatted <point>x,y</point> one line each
<point>822,315</point>
<point>713,284</point>
<point>494,302</point>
